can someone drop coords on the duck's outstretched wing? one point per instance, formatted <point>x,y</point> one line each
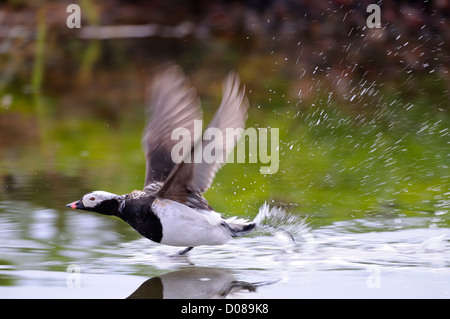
<point>189,179</point>
<point>231,115</point>
<point>172,103</point>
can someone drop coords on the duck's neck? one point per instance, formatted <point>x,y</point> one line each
<point>111,206</point>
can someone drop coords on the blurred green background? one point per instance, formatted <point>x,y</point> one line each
<point>363,113</point>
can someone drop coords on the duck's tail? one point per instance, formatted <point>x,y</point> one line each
<point>238,226</point>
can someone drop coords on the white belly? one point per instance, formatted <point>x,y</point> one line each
<point>186,227</point>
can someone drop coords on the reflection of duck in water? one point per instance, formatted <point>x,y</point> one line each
<point>171,209</point>
<point>194,283</point>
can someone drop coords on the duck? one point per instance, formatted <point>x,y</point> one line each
<point>171,209</point>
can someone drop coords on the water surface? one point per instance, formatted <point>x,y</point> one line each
<point>374,257</point>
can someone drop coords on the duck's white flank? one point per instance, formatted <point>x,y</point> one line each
<point>184,226</point>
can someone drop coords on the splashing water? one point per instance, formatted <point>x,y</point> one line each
<point>277,221</point>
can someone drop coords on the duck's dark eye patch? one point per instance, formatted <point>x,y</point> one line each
<point>92,198</point>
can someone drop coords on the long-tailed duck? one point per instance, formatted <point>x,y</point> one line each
<point>171,209</point>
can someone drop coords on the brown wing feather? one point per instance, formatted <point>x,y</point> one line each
<point>231,114</point>
<point>172,103</point>
<point>187,181</point>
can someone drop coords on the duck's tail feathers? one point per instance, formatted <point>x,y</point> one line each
<point>238,226</point>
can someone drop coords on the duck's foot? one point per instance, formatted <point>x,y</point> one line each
<point>184,251</point>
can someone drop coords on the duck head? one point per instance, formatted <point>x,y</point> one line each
<point>101,202</point>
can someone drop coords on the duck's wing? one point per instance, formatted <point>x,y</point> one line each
<point>172,103</point>
<point>230,120</point>
<point>188,180</point>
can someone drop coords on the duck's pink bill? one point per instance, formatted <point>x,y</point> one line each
<point>72,205</point>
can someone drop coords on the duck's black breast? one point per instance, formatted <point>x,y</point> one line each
<point>138,213</point>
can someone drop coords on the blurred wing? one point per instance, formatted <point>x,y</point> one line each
<point>230,120</point>
<point>172,104</point>
<point>188,180</point>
